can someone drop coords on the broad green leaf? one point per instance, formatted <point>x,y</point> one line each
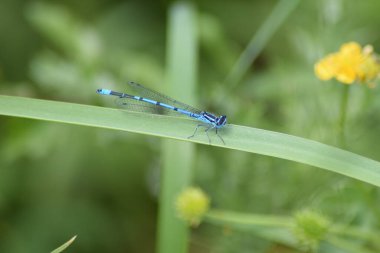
<point>236,137</point>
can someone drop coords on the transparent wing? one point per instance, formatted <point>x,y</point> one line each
<point>141,106</point>
<point>151,94</point>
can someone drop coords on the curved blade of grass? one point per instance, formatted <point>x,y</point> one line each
<point>64,246</point>
<point>279,14</point>
<point>236,137</point>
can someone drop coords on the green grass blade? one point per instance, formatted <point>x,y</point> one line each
<point>235,219</point>
<point>279,229</point>
<point>64,246</point>
<point>236,137</point>
<point>173,233</point>
<point>347,245</point>
<point>280,12</point>
<point>270,227</point>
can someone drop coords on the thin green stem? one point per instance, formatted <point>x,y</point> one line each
<point>227,217</point>
<point>280,12</point>
<point>354,232</point>
<point>343,115</point>
<point>65,245</point>
<point>260,223</point>
<point>347,245</point>
<point>181,78</point>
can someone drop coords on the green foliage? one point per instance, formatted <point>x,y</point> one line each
<point>64,246</point>
<point>61,179</point>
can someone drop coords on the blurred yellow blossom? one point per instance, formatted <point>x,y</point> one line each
<point>192,204</point>
<point>351,63</point>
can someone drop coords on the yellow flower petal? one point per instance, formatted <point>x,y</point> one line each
<point>368,70</point>
<point>350,48</point>
<point>348,60</point>
<point>325,68</point>
<point>346,75</point>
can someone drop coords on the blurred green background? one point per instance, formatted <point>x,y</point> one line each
<point>59,180</point>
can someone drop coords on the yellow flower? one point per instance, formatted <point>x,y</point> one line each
<point>349,59</point>
<point>370,68</point>
<point>192,204</point>
<point>351,63</point>
<point>325,69</point>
